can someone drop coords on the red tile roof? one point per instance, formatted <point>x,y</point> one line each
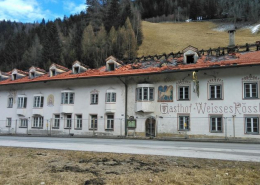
<point>60,67</point>
<point>153,67</point>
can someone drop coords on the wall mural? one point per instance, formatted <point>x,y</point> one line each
<point>50,101</point>
<point>165,93</point>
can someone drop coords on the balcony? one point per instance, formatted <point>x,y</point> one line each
<point>38,111</point>
<point>66,108</point>
<point>144,106</point>
<point>110,107</point>
<point>21,112</point>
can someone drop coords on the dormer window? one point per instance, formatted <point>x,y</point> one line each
<point>76,70</point>
<point>190,59</point>
<point>14,76</point>
<point>112,63</point>
<point>53,72</point>
<point>32,74</point>
<point>56,69</point>
<point>111,67</point>
<point>190,55</point>
<point>78,67</point>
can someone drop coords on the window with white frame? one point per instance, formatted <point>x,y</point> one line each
<point>67,98</point>
<point>110,121</point>
<point>215,91</point>
<point>68,121</point>
<point>183,92</point>
<point>56,123</point>
<point>79,121</point>
<point>252,125</point>
<point>38,101</point>
<point>22,102</point>
<point>250,90</point>
<point>8,122</point>
<point>184,122</point>
<point>216,123</point>
<point>145,93</point>
<point>10,102</point>
<point>24,123</point>
<point>38,122</point>
<point>110,97</point>
<point>94,98</point>
<point>93,121</point>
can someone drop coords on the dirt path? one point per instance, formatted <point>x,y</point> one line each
<point>38,166</point>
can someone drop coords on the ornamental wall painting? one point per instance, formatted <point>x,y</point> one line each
<point>50,101</point>
<point>165,93</point>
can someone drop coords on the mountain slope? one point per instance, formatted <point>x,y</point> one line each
<point>162,38</point>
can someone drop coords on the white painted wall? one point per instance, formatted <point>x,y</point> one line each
<point>167,123</point>
<point>82,89</point>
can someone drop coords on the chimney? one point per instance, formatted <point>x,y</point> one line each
<point>231,38</point>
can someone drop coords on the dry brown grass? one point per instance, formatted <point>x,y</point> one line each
<point>20,166</point>
<point>162,38</point>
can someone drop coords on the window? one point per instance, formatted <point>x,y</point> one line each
<point>22,102</point>
<point>250,90</point>
<point>8,122</point>
<point>252,125</point>
<point>67,98</point>
<point>53,72</point>
<point>24,123</point>
<point>110,97</point>
<point>110,121</point>
<point>78,121</point>
<point>216,124</point>
<point>38,122</point>
<point>10,102</point>
<point>68,121</point>
<point>183,93</point>
<point>111,67</point>
<point>94,98</point>
<point>56,121</point>
<point>14,76</point>
<point>93,122</point>
<point>38,101</point>
<point>76,70</point>
<point>184,122</point>
<point>145,94</point>
<point>215,92</point>
<point>32,74</point>
<point>190,59</point>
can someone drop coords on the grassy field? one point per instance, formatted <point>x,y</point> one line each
<point>22,166</point>
<point>162,38</point>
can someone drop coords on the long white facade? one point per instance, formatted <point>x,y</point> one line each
<point>213,102</point>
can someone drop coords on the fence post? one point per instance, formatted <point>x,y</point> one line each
<point>225,128</point>
<point>15,126</point>
<point>50,125</point>
<point>234,128</point>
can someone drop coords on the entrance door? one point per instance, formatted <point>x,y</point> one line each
<point>150,127</point>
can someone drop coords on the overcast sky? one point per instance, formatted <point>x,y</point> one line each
<point>35,10</point>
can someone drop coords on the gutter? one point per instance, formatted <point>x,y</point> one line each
<point>138,74</point>
<point>126,93</point>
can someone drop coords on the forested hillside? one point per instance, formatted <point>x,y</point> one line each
<point>238,10</point>
<point>107,27</point>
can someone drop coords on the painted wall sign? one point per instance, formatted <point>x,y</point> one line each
<point>211,108</point>
<point>50,101</point>
<point>165,93</point>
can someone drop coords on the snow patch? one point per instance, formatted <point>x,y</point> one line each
<point>255,29</point>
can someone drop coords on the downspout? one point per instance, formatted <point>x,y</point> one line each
<point>126,90</point>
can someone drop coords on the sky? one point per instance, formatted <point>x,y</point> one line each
<point>30,11</point>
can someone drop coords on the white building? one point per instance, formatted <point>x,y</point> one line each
<point>188,95</point>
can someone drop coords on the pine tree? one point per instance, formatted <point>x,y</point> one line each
<point>131,41</point>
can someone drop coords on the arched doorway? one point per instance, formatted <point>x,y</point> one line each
<point>150,127</point>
